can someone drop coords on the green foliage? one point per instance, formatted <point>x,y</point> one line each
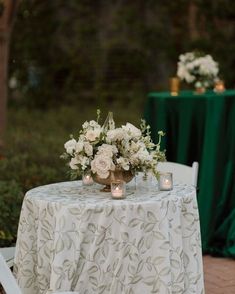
<point>10,202</point>
<point>105,51</point>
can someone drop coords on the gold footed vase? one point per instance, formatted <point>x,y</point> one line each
<point>117,174</point>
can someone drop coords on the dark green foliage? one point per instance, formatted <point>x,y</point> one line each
<point>112,50</point>
<point>11,197</point>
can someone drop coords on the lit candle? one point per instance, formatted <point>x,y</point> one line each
<point>165,182</point>
<point>219,86</point>
<point>87,179</point>
<point>117,192</point>
<point>118,189</point>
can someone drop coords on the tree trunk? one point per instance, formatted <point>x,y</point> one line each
<point>192,21</point>
<point>6,23</point>
<point>4,46</point>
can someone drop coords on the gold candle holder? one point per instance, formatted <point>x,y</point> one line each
<point>219,86</point>
<point>174,86</point>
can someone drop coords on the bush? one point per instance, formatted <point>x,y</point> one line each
<point>11,197</point>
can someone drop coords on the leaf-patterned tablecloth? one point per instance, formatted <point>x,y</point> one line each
<point>76,238</point>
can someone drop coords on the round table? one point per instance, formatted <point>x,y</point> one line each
<point>72,237</point>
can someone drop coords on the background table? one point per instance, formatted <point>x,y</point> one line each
<point>202,128</point>
<point>71,238</point>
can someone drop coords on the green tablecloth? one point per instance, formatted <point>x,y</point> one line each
<point>202,128</point>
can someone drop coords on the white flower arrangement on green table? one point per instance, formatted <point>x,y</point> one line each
<point>101,149</point>
<point>197,68</point>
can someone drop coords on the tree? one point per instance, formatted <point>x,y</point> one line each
<point>7,13</point>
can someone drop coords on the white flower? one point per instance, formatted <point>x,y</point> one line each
<point>142,156</point>
<point>79,146</point>
<point>70,146</point>
<point>73,163</point>
<point>193,68</point>
<point>124,163</point>
<point>84,161</point>
<point>107,150</point>
<point>101,150</point>
<point>85,125</point>
<point>94,124</point>
<point>92,135</point>
<point>117,134</point>
<point>133,131</point>
<point>102,165</point>
<point>88,149</point>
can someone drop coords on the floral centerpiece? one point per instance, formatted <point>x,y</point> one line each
<point>197,68</point>
<point>102,149</point>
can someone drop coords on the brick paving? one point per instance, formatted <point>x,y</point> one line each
<point>219,275</point>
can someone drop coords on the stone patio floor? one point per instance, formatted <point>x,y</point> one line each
<point>219,275</point>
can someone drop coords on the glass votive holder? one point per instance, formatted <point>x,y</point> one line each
<point>165,182</point>
<point>118,189</point>
<point>219,86</point>
<point>174,86</point>
<point>87,179</point>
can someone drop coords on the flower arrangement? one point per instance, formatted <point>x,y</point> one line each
<point>102,149</point>
<point>197,68</point>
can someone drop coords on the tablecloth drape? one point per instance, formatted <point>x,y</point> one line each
<point>202,128</point>
<point>75,238</point>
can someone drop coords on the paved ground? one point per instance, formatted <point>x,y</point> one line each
<point>219,274</point>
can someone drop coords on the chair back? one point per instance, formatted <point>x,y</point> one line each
<point>8,253</point>
<point>181,173</point>
<point>7,279</point>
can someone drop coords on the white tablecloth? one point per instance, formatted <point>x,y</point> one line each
<point>71,238</point>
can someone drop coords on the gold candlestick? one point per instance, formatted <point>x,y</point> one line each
<point>174,86</point>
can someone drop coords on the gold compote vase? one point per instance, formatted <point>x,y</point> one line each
<point>117,174</point>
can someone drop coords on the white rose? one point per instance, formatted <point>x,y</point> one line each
<point>102,165</point>
<point>92,135</point>
<point>88,149</point>
<point>132,130</point>
<point>117,134</point>
<point>107,150</point>
<point>79,146</point>
<point>70,146</point>
<point>73,163</point>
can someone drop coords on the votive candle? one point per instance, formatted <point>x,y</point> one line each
<point>165,182</point>
<point>87,179</point>
<point>118,189</point>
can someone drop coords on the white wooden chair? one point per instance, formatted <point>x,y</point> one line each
<point>8,254</point>
<point>181,173</point>
<point>9,283</point>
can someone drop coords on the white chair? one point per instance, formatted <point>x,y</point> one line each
<point>9,283</point>
<point>181,173</point>
<point>8,254</point>
<point>7,279</point>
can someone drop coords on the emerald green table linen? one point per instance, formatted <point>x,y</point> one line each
<point>201,127</point>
